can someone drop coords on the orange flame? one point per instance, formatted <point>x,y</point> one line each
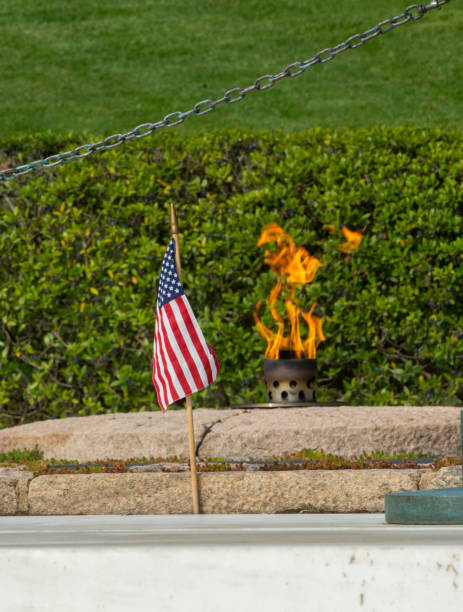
<point>293,266</point>
<point>353,240</point>
<point>315,333</point>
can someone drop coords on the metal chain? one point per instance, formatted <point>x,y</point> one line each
<point>411,13</point>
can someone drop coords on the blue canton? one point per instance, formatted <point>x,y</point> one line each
<point>169,283</point>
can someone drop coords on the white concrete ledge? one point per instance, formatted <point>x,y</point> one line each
<point>227,563</point>
<point>191,530</point>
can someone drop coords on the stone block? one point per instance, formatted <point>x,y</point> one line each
<point>445,478</point>
<point>17,481</point>
<point>220,493</point>
<point>8,503</point>
<point>302,491</point>
<point>341,430</point>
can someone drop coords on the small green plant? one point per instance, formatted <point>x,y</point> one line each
<point>395,455</point>
<point>22,456</point>
<point>318,455</point>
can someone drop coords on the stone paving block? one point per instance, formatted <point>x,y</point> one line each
<point>14,474</point>
<point>129,493</point>
<point>220,493</point>
<point>17,483</point>
<point>342,430</point>
<point>8,503</point>
<point>445,478</point>
<point>310,491</point>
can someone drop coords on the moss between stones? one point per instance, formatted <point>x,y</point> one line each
<point>305,459</point>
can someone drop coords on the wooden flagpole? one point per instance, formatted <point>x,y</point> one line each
<point>188,402</point>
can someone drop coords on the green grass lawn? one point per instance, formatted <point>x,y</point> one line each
<point>104,66</point>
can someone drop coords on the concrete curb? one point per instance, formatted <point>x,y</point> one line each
<point>228,563</point>
<point>314,491</point>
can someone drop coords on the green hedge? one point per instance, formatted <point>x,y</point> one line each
<point>81,247</point>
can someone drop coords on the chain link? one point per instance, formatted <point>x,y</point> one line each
<point>411,13</point>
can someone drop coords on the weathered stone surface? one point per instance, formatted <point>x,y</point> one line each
<point>8,504</point>
<point>346,430</point>
<point>310,491</point>
<point>343,430</point>
<point>160,467</point>
<point>22,496</point>
<point>232,492</point>
<point>146,493</point>
<point>445,478</point>
<point>113,436</point>
<point>14,483</point>
<point>14,474</point>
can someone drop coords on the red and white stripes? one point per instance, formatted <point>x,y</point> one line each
<point>183,362</point>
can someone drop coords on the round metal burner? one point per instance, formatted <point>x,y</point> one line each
<point>290,381</point>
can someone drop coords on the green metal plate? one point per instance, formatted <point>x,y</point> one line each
<point>431,507</point>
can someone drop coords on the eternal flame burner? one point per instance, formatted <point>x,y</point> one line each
<point>290,381</point>
<point>290,365</point>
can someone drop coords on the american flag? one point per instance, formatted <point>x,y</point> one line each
<point>183,362</point>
